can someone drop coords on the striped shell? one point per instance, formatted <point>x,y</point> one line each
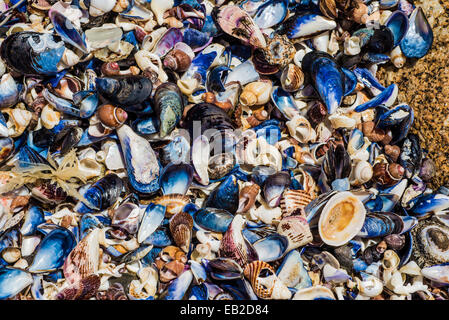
<point>247,197</point>
<point>294,202</point>
<point>296,229</point>
<point>84,258</point>
<point>181,225</point>
<point>252,272</point>
<point>174,203</point>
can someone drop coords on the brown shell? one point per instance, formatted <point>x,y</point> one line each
<point>329,9</point>
<point>181,225</point>
<point>296,229</point>
<point>253,121</point>
<point>392,151</point>
<point>177,60</point>
<point>110,69</point>
<point>372,133</point>
<point>247,197</point>
<point>294,201</point>
<point>82,290</point>
<point>115,292</point>
<point>260,114</point>
<point>279,51</point>
<point>317,113</point>
<point>111,117</point>
<point>387,174</point>
<point>170,263</point>
<point>83,260</point>
<point>292,78</point>
<point>172,202</point>
<point>67,87</point>
<point>252,271</point>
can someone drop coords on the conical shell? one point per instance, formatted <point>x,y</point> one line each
<point>252,272</point>
<point>181,225</point>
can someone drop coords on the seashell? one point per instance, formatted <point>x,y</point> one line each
<point>52,251</point>
<point>305,24</point>
<point>151,220</point>
<point>237,23</point>
<point>271,13</point>
<point>102,194</point>
<point>341,219</point>
<point>296,229</point>
<point>29,245</point>
<point>384,223</point>
<point>437,273</point>
<point>49,117</point>
<point>225,196</point>
<point>111,117</point>
<point>395,241</point>
<point>178,60</point>
<point>159,7</point>
<point>387,97</point>
<point>327,78</point>
<point>247,197</point>
<point>124,91</point>
<point>141,162</point>
<point>314,293</point>
<point>274,186</point>
<point>84,259</point>
<point>352,46</point>
<point>220,165</point>
<point>11,254</point>
<point>371,286</point>
<point>18,121</point>
<point>84,289</point>
<point>301,129</point>
<point>9,92</point>
<point>294,202</point>
<point>169,106</point>
<point>13,281</point>
<point>170,263</point>
<point>292,78</point>
<point>174,203</point>
<point>292,271</point>
<point>390,261</point>
<point>256,93</point>
<point>178,288</point>
<point>361,173</point>
<point>112,157</point>
<point>265,283</point>
<point>387,174</point>
<point>272,247</point>
<point>419,37</point>
<point>181,225</point>
<point>126,217</point>
<point>234,245</point>
<point>329,8</point>
<point>430,243</point>
<point>176,178</point>
<point>213,219</point>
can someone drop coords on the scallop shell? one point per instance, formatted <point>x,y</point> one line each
<point>181,225</point>
<point>341,219</point>
<point>294,201</point>
<point>297,230</point>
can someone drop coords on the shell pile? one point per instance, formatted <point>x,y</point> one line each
<point>214,150</point>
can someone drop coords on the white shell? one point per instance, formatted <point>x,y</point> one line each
<point>361,173</point>
<point>49,117</point>
<point>159,7</point>
<point>200,159</point>
<point>29,244</point>
<point>313,293</point>
<point>341,121</point>
<point>397,57</point>
<point>352,46</point>
<point>301,129</point>
<point>370,287</point>
<point>341,219</point>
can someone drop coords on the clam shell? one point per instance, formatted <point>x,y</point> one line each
<point>293,201</point>
<point>84,259</point>
<point>297,230</point>
<point>341,219</point>
<point>181,225</point>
